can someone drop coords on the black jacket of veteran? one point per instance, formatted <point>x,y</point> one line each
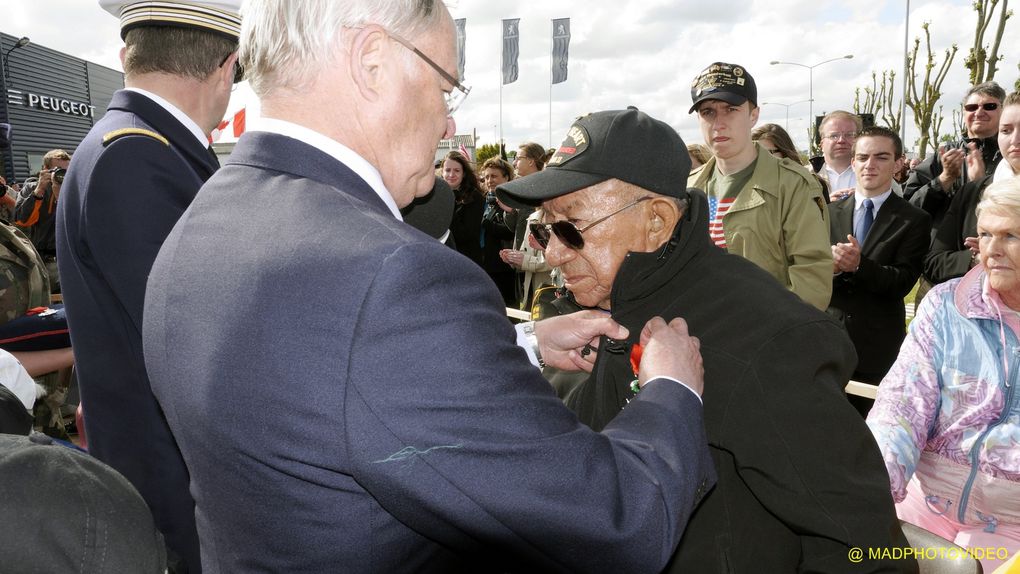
<point>800,478</point>
<point>870,299</point>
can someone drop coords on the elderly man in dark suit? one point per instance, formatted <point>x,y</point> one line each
<point>130,179</point>
<point>369,410</point>
<point>878,245</point>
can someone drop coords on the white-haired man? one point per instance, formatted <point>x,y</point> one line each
<point>369,410</point>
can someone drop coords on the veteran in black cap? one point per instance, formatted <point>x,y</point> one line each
<point>129,181</point>
<point>631,239</point>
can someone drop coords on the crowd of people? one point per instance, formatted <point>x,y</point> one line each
<point>678,405</point>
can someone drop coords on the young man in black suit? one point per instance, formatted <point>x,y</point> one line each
<point>878,245</point>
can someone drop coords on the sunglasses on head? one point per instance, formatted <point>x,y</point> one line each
<point>987,106</point>
<point>567,232</point>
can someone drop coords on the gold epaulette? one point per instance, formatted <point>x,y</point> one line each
<point>113,136</point>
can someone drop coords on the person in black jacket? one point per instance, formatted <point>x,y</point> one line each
<point>469,207</point>
<point>954,251</point>
<point>36,210</point>
<point>801,480</point>
<point>935,181</point>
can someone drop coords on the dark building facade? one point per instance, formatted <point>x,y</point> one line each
<point>51,100</point>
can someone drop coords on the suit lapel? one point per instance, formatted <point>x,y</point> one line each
<point>843,217</point>
<point>887,216</point>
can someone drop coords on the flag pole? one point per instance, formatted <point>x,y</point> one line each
<point>552,34</point>
<point>502,46</point>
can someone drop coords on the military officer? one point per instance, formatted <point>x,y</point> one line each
<point>130,180</point>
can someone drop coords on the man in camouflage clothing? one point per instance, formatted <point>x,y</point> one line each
<point>25,284</point>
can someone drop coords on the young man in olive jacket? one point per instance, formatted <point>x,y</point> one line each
<point>801,481</point>
<point>769,211</point>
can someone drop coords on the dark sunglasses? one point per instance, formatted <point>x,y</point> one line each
<point>987,106</point>
<point>567,232</point>
<point>238,70</point>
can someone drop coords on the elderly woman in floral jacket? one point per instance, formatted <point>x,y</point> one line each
<point>947,416</point>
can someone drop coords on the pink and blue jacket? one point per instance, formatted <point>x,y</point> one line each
<point>948,412</point>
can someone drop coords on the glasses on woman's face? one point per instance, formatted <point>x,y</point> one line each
<point>567,232</point>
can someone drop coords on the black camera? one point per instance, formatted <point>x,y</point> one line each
<point>58,174</point>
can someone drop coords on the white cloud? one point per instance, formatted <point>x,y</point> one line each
<point>632,52</point>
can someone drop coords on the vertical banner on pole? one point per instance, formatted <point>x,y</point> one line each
<point>561,46</point>
<point>511,50</point>
<point>461,24</point>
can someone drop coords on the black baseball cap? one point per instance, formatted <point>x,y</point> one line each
<point>727,82</point>
<point>628,145</point>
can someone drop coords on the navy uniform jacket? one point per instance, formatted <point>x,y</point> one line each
<point>119,201</point>
<point>871,299</point>
<point>369,410</point>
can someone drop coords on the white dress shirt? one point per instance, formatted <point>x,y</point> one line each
<point>840,180</point>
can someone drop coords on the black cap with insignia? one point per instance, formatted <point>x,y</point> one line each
<point>628,145</point>
<point>727,82</point>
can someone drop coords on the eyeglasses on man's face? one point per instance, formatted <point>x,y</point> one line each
<point>987,106</point>
<point>836,136</point>
<point>567,232</point>
<point>457,95</point>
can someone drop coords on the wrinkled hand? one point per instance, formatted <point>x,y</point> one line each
<point>846,257</point>
<point>512,257</point>
<point>841,193</point>
<point>562,339</point>
<point>669,351</point>
<point>952,166</point>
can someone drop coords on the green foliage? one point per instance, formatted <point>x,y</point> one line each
<point>485,152</point>
<point>879,101</point>
<point>981,60</point>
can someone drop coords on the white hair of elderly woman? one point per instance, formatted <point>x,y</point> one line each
<point>1002,198</point>
<point>284,43</point>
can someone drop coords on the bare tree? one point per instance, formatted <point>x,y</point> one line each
<point>982,61</point>
<point>879,101</point>
<point>923,101</point>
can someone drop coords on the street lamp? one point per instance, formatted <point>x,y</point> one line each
<point>787,106</point>
<point>21,43</point>
<point>811,88</point>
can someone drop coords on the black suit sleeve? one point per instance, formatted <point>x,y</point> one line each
<point>923,188</point>
<point>948,256</point>
<point>455,433</point>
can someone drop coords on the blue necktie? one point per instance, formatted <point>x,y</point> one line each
<point>864,225</point>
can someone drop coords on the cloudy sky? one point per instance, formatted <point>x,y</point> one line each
<point>632,52</point>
